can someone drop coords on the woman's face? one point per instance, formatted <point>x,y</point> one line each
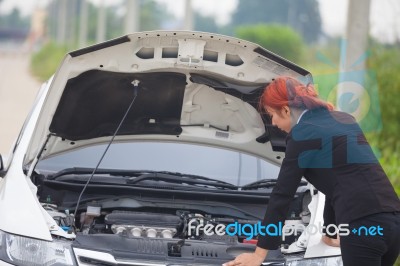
<point>281,118</point>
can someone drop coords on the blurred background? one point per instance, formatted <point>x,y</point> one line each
<point>343,43</point>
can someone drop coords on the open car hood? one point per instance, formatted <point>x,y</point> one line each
<point>194,87</point>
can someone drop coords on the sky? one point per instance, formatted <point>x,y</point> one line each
<point>384,14</point>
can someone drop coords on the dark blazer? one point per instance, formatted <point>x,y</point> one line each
<point>329,149</point>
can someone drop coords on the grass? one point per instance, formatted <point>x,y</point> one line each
<point>46,61</point>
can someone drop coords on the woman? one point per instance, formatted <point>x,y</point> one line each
<point>328,148</point>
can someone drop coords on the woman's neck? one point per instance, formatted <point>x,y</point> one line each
<point>296,114</point>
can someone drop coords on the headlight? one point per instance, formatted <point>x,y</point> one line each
<point>19,250</point>
<point>331,261</point>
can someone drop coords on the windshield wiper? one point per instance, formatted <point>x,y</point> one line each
<point>85,171</point>
<point>265,183</point>
<point>180,178</point>
<point>137,176</point>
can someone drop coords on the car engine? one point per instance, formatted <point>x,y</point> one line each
<point>151,225</point>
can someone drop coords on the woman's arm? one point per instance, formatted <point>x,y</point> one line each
<point>283,192</point>
<point>333,242</point>
<point>282,195</point>
<point>329,216</point>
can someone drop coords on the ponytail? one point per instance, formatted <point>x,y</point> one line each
<point>287,91</point>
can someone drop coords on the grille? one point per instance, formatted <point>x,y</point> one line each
<point>204,252</point>
<point>151,246</point>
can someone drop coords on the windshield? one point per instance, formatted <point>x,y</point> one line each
<point>220,164</point>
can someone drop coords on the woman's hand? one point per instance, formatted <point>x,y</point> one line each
<point>331,241</point>
<point>249,259</point>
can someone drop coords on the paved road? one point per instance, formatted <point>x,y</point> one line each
<point>18,90</point>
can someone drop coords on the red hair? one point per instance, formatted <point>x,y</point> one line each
<point>287,91</point>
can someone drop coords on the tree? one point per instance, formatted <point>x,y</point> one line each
<point>302,15</point>
<point>278,39</point>
<point>14,20</point>
<point>13,26</point>
<point>152,15</point>
<point>205,23</point>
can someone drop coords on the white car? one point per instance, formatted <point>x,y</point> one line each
<point>143,150</point>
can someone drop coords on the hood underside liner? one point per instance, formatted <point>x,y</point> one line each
<point>94,102</point>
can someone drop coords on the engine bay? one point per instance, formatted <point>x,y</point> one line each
<point>163,222</point>
<point>170,225</point>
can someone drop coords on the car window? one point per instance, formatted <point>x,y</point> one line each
<point>221,164</point>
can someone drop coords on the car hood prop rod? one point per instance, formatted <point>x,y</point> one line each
<point>135,84</point>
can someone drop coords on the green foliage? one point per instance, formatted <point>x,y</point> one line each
<point>384,61</point>
<point>323,58</point>
<point>301,15</point>
<point>45,62</point>
<point>397,262</point>
<point>391,166</point>
<point>279,39</point>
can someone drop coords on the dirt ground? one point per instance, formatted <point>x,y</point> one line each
<point>18,90</point>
